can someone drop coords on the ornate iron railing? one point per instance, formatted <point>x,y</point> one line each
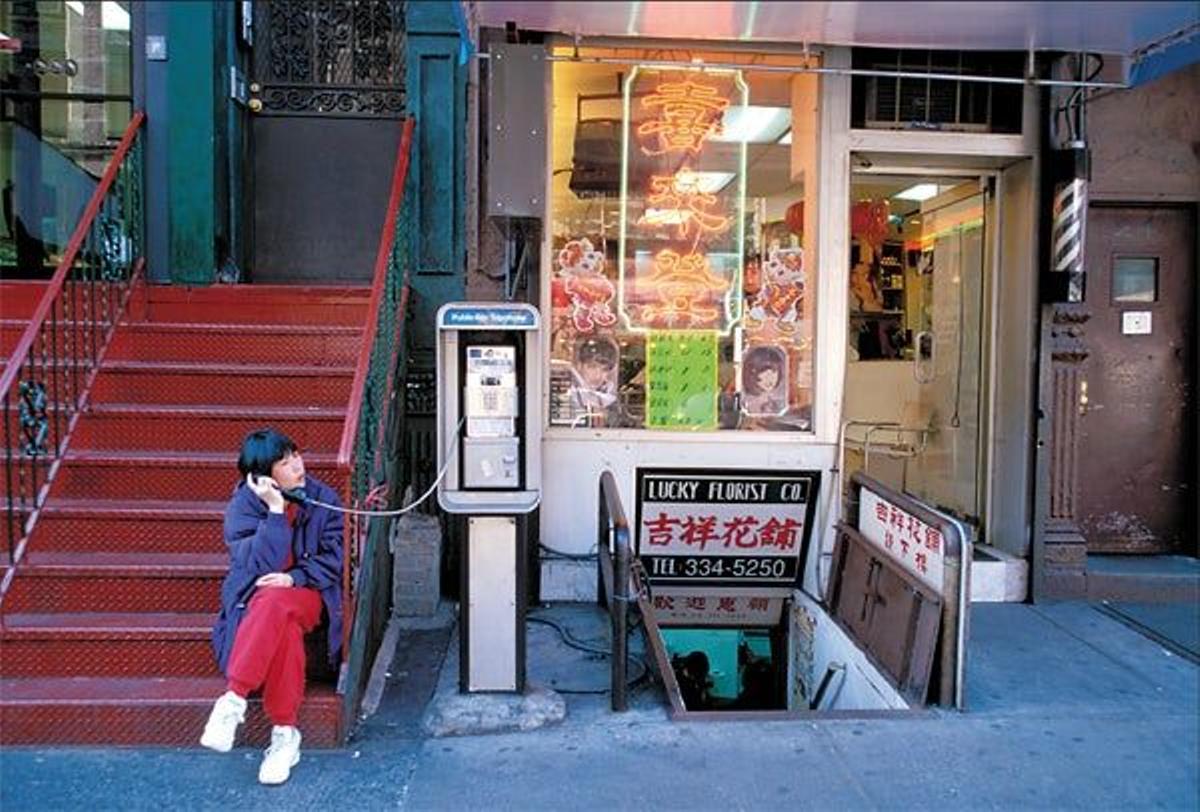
<point>46,382</point>
<point>372,438</point>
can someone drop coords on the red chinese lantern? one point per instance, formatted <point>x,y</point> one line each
<point>794,217</point>
<point>869,221</point>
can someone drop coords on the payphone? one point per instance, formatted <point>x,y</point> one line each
<point>489,445</point>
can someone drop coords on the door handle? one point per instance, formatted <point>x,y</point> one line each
<point>255,105</point>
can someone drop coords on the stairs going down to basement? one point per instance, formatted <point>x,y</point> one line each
<point>104,631</point>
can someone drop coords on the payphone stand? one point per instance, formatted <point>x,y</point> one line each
<point>490,422</point>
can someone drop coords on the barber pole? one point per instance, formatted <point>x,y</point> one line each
<point>1068,219</point>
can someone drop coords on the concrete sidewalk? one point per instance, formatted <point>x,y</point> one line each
<point>1070,708</point>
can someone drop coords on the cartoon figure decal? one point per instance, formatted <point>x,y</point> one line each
<point>589,291</point>
<point>781,297</point>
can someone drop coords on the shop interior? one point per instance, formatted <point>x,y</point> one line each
<point>914,334</point>
<point>761,376</point>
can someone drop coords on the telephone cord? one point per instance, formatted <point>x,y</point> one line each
<point>450,455</point>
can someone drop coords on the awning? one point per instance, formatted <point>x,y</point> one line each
<point>1124,28</point>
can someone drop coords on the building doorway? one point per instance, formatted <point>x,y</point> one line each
<point>1137,444</point>
<point>327,92</point>
<point>914,400</point>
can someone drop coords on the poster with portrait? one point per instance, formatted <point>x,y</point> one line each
<point>765,378</point>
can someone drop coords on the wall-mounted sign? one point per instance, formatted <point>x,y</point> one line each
<point>731,528</point>
<point>494,315</point>
<point>1136,323</point>
<point>689,607</point>
<point>916,546</point>
<point>681,380</point>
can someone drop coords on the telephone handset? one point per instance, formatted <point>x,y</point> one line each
<point>297,495</point>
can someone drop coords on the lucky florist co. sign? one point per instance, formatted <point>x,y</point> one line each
<point>729,528</point>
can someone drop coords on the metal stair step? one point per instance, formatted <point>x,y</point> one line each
<point>176,382</point>
<point>253,304</point>
<point>289,344</point>
<point>168,712</point>
<point>132,476</point>
<point>116,582</point>
<point>125,426</point>
<point>140,527</point>
<point>107,644</point>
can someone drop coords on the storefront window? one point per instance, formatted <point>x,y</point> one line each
<point>681,220</point>
<point>66,99</point>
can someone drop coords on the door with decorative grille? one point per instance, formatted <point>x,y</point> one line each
<point>327,91</point>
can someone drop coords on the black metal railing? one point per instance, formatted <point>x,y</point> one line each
<point>623,586</point>
<point>616,556</point>
<point>45,383</point>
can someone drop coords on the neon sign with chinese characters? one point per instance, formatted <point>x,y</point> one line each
<point>682,202</point>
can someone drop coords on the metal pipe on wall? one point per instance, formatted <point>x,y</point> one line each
<point>949,77</point>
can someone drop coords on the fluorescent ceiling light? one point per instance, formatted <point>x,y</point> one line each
<point>919,192</point>
<point>754,125</point>
<point>708,183</point>
<point>113,17</point>
<point>665,217</point>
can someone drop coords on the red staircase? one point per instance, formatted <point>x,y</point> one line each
<point>18,300</point>
<point>104,630</point>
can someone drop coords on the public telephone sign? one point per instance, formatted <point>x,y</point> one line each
<point>729,528</point>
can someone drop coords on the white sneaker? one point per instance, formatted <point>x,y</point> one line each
<point>281,756</point>
<point>228,712</point>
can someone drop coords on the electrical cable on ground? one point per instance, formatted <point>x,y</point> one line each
<point>554,554</point>
<point>575,643</point>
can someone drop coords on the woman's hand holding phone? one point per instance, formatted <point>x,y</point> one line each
<point>266,489</point>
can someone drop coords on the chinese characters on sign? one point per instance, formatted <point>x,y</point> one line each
<point>681,380</point>
<point>735,528</point>
<point>681,235</point>
<point>682,202</point>
<point>919,548</point>
<point>685,608</point>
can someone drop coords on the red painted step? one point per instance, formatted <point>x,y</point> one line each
<point>92,644</point>
<point>105,632</point>
<point>131,476</point>
<point>19,298</point>
<point>116,582</point>
<point>11,331</point>
<point>144,711</point>
<point>233,343</point>
<point>134,527</point>
<point>252,304</point>
<point>194,428</point>
<point>222,384</point>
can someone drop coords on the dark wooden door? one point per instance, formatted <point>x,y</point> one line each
<point>328,80</point>
<point>1138,403</point>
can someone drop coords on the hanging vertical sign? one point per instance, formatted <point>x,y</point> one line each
<point>683,191</point>
<point>682,201</point>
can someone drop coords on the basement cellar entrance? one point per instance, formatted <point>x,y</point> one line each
<point>879,623</point>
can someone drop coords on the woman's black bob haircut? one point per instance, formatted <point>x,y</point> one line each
<point>261,449</point>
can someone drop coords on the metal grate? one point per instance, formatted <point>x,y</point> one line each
<point>343,59</point>
<point>907,102</point>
